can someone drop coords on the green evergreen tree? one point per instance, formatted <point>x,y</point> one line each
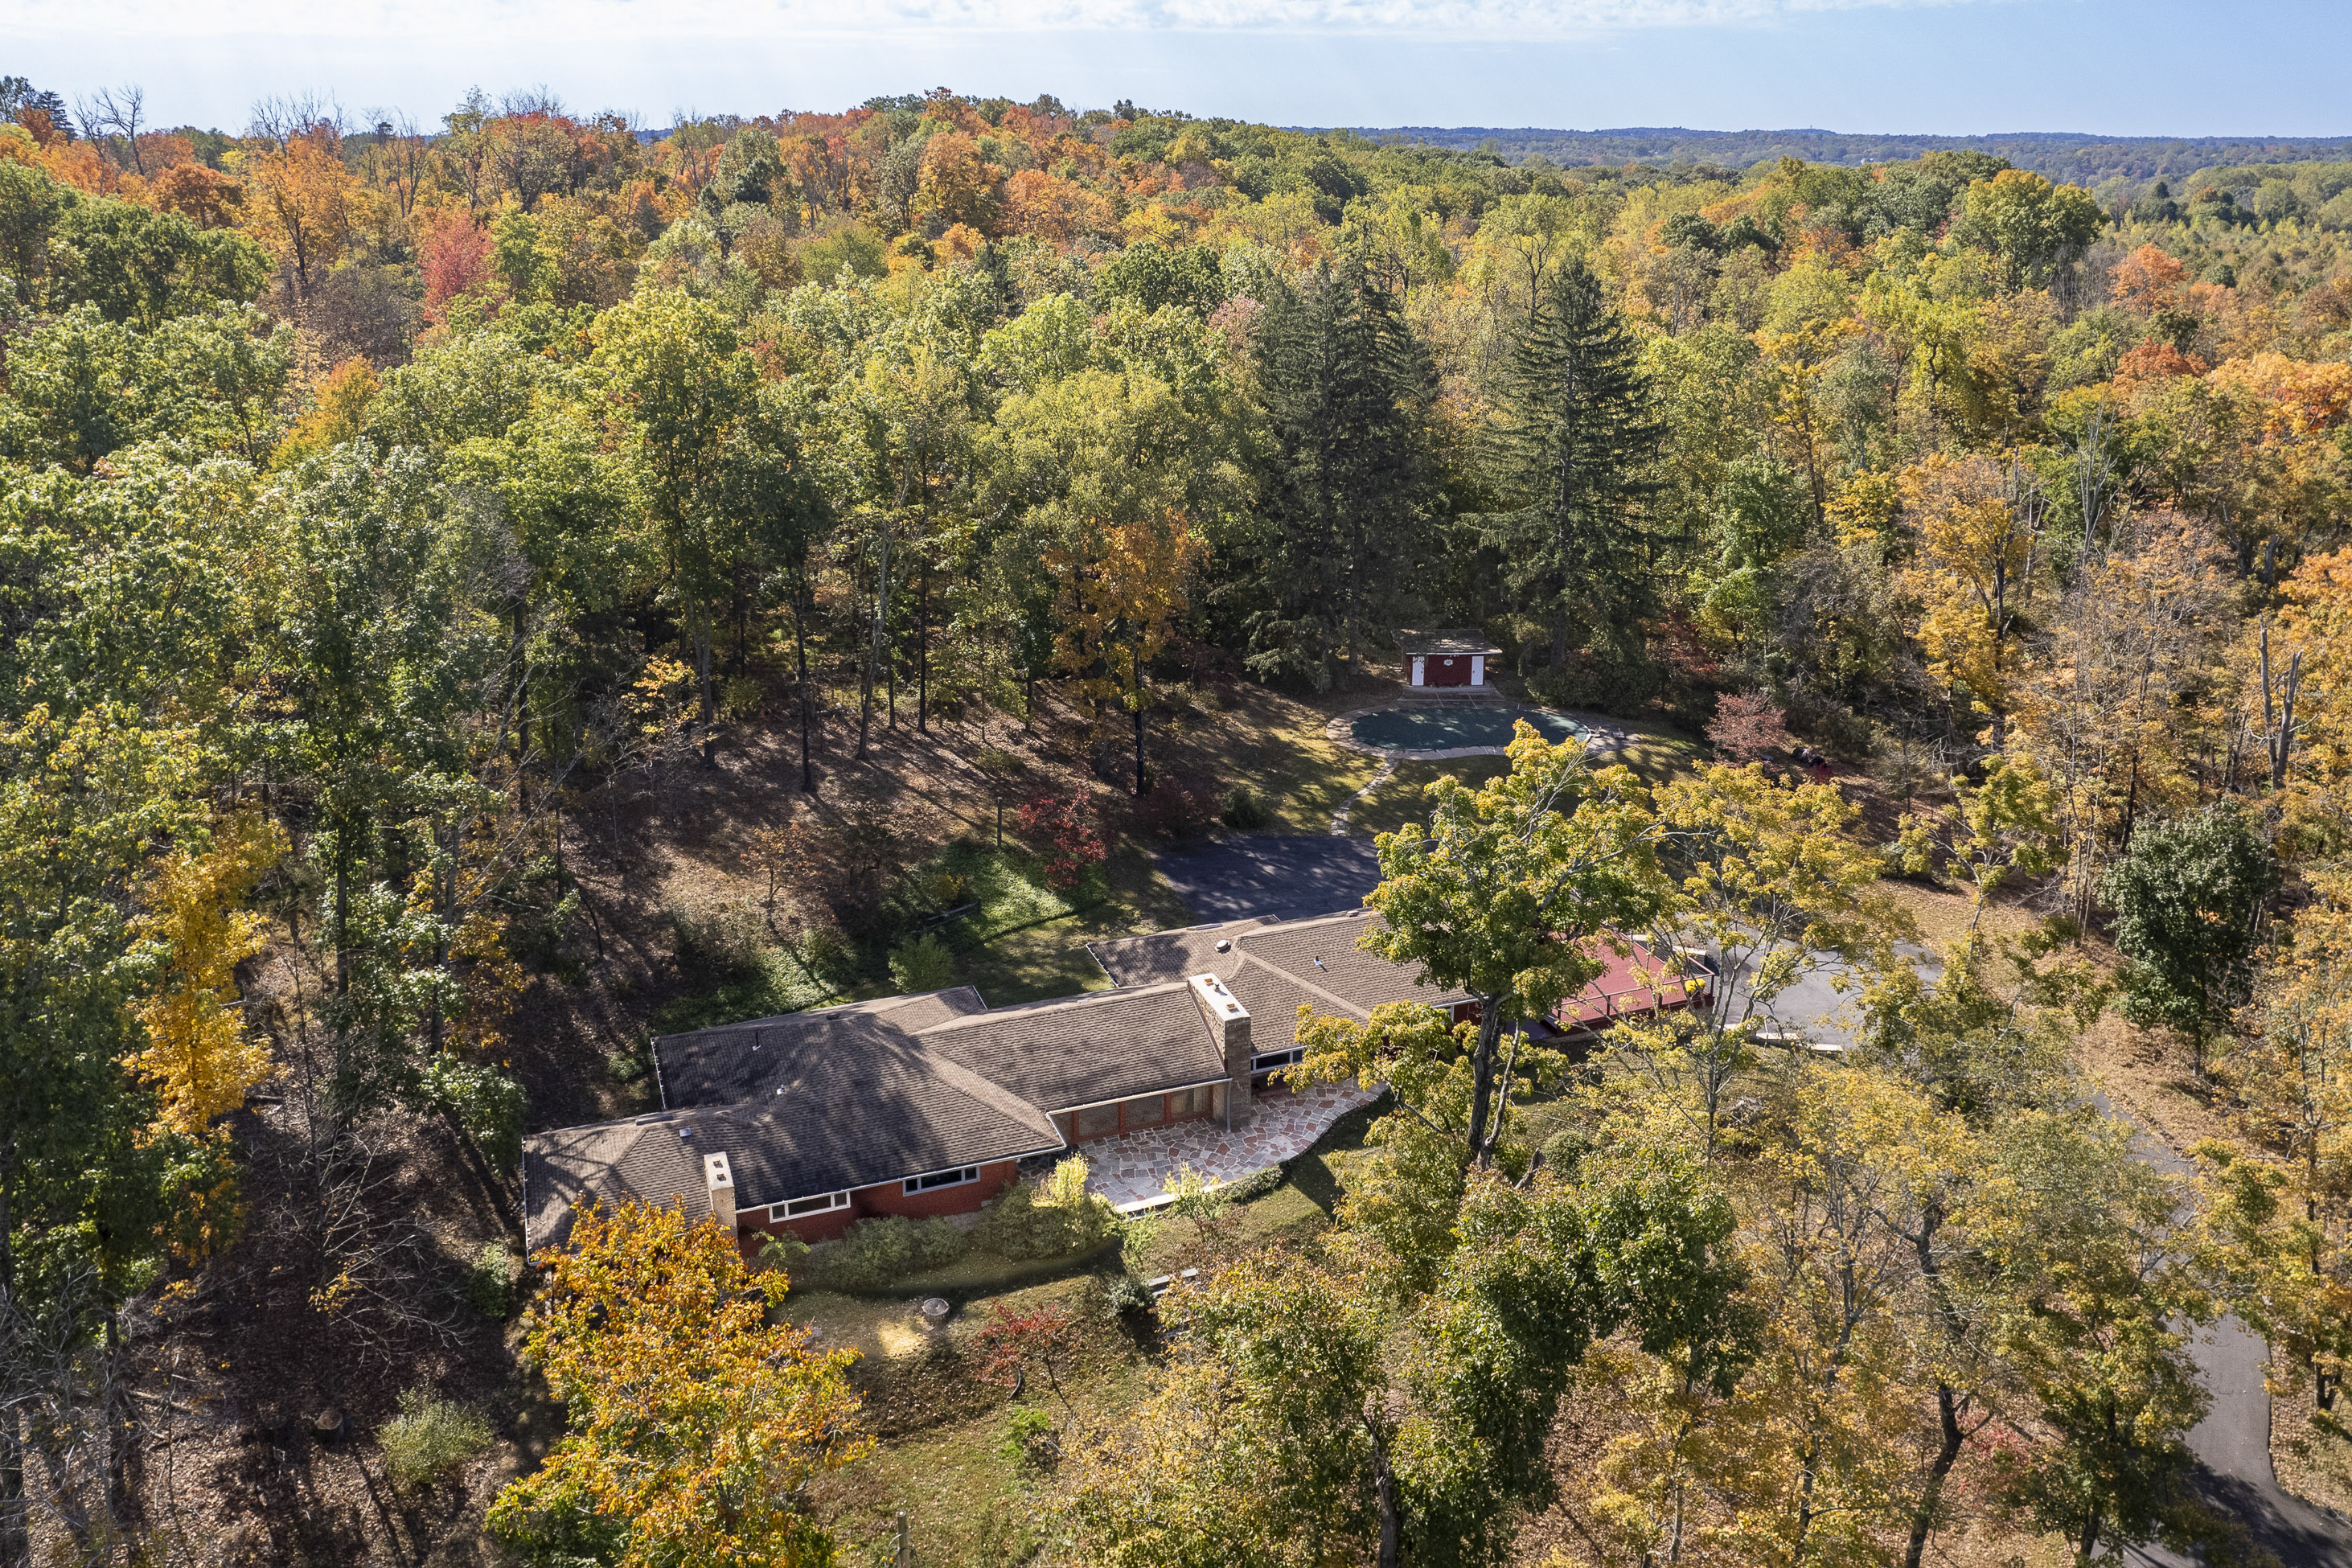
<point>1347,390</point>
<point>1573,452</point>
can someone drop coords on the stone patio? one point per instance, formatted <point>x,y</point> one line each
<point>1132,1169</point>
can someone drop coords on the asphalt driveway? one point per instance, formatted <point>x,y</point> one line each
<point>1292,877</point>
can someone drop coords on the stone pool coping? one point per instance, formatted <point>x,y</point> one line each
<point>1340,731</point>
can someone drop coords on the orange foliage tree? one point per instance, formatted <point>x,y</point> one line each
<point>696,1425</point>
<point>301,205</point>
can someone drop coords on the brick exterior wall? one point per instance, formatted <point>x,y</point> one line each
<point>882,1199</point>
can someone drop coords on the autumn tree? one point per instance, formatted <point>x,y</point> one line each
<point>2280,1194</point>
<point>1980,560</point>
<point>1773,890</point>
<point>300,203</point>
<point>1123,593</point>
<point>200,1055</point>
<point>696,1425</point>
<point>1502,895</point>
<point>680,381</point>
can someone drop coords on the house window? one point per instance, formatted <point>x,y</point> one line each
<point>800,1208</point>
<point>955,1178</point>
<point>1096,1120</point>
<point>1188,1102</point>
<point>1266,1061</point>
<point>1149,1112</point>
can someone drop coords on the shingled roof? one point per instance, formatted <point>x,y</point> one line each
<point>1084,1050</point>
<point>843,1099</point>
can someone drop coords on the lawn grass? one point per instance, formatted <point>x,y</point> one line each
<point>1275,746</point>
<point>773,983</point>
<point>1399,799</point>
<point>1021,948</point>
<point>969,1498</point>
<point>1658,753</point>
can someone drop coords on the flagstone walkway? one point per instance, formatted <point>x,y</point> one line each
<point>1132,1169</point>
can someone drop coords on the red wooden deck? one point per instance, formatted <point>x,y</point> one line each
<point>1634,985</point>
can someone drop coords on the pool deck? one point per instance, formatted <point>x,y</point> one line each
<point>1598,732</point>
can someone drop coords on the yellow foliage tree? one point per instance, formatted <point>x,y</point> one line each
<point>695,1424</point>
<point>338,416</point>
<point>1980,537</point>
<point>1123,586</point>
<point>199,1054</point>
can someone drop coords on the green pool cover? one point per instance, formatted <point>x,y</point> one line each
<point>1445,729</point>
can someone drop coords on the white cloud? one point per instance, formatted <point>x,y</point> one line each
<point>620,21</point>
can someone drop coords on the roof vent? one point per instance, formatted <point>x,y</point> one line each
<point>1225,946</point>
<point>685,1134</point>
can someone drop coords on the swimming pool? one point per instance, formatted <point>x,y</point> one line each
<point>1451,729</point>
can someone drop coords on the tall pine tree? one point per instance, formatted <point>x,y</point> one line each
<point>1573,451</point>
<point>1348,478</point>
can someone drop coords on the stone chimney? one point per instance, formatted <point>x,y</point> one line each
<point>720,1178</point>
<point>1229,1024</point>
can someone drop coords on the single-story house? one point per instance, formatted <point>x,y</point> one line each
<point>924,1105</point>
<point>1453,658</point>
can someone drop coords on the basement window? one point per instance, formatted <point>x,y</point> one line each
<point>955,1178</point>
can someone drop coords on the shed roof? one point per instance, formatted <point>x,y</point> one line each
<point>1455,640</point>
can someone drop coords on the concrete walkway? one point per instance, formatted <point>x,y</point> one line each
<point>1339,817</point>
<point>1132,1169</point>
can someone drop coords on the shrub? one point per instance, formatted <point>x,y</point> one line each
<point>1255,1186</point>
<point>1063,828</point>
<point>718,938</point>
<point>1031,1437</point>
<point>828,954</point>
<point>785,1251</point>
<point>739,697</point>
<point>490,1282</point>
<point>922,963</point>
<point>429,1438</point>
<point>1135,1234</point>
<point>1243,809</point>
<point>1176,808</point>
<point>879,1251</point>
<point>1127,1296</point>
<point>1625,690</point>
<point>1746,725</point>
<point>1052,1220</point>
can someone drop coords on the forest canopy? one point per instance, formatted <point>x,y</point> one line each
<point>372,496</point>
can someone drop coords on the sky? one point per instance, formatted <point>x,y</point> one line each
<point>2150,68</point>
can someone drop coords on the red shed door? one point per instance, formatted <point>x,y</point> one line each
<point>1448,670</point>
